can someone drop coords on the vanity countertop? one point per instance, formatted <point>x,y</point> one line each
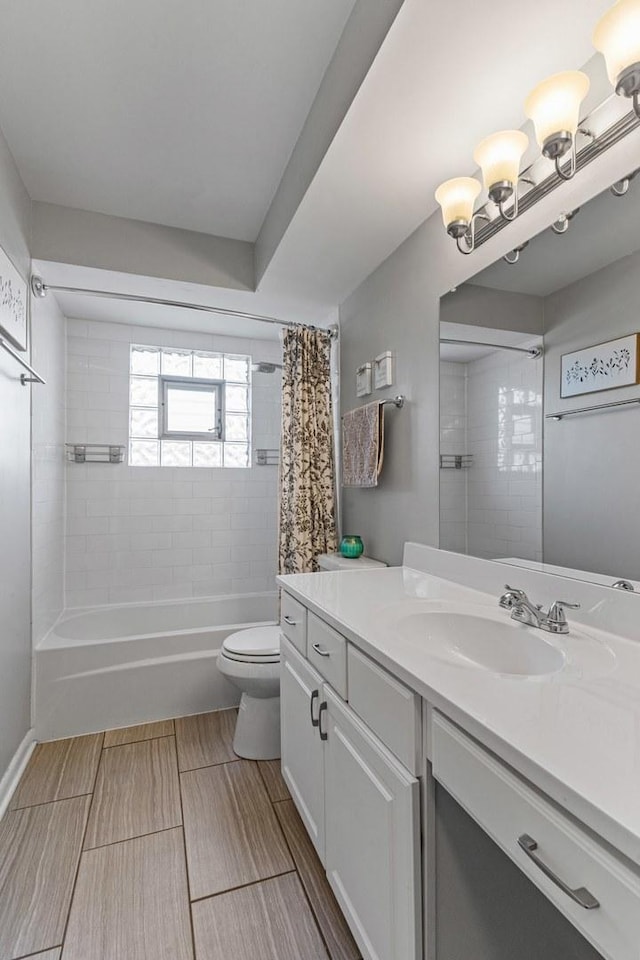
<point>575,733</point>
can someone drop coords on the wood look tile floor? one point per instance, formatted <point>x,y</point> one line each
<point>156,842</point>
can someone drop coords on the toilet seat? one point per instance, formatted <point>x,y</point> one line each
<point>254,645</point>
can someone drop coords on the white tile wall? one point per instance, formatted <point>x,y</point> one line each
<point>492,409</point>
<point>504,433</point>
<point>453,439</point>
<point>145,533</point>
<point>48,472</point>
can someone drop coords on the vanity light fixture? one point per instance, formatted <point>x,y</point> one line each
<point>499,157</point>
<point>554,108</point>
<point>457,198</point>
<point>617,37</point>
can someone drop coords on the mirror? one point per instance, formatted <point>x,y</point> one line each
<point>540,400</point>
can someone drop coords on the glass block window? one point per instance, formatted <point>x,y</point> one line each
<point>188,408</point>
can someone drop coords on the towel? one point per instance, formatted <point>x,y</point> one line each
<point>363,445</point>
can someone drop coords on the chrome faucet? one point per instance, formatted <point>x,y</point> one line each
<point>522,610</point>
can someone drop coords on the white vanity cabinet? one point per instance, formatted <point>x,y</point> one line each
<point>302,753</point>
<point>360,804</point>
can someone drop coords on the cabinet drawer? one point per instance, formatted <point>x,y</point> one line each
<point>327,651</point>
<point>508,809</point>
<point>293,622</point>
<point>389,708</point>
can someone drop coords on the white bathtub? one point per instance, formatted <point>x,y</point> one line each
<point>114,666</point>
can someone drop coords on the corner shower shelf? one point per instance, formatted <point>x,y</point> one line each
<point>456,461</point>
<point>95,452</point>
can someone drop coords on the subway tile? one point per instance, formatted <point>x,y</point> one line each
<point>172,558</point>
<point>193,539</point>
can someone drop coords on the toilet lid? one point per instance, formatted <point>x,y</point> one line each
<point>255,642</point>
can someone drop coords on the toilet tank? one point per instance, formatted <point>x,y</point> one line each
<point>335,561</point>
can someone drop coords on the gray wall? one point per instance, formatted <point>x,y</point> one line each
<point>15,556</point>
<point>592,463</point>
<point>497,309</point>
<point>65,235</point>
<point>395,309</point>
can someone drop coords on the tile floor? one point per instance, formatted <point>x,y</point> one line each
<point>157,843</point>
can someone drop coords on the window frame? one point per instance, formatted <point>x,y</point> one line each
<point>195,385</point>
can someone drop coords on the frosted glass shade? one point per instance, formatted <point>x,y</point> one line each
<point>617,37</point>
<point>457,198</point>
<point>554,105</point>
<point>500,155</point>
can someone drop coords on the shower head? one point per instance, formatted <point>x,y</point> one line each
<point>264,367</point>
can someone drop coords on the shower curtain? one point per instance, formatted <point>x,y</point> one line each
<point>307,461</point>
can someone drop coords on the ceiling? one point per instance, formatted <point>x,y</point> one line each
<point>183,114</point>
<point>186,114</point>
<point>447,75</point>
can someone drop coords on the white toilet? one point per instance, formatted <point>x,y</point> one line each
<point>250,659</point>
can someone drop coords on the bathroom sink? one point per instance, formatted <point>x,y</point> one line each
<point>479,641</point>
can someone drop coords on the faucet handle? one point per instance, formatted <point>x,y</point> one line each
<point>513,596</point>
<point>556,610</point>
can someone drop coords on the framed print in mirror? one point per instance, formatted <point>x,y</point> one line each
<point>13,303</point>
<point>604,366</point>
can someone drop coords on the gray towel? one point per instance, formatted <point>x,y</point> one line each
<point>363,445</point>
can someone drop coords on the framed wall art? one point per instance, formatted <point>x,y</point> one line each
<point>363,380</point>
<point>383,370</point>
<point>13,303</point>
<point>604,366</point>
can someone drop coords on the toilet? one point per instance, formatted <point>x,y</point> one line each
<point>250,660</point>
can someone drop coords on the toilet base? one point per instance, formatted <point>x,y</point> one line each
<point>257,735</point>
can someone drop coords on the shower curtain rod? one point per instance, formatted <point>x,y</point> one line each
<point>533,352</point>
<point>40,289</point>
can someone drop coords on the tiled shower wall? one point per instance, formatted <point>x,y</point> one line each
<point>493,509</point>
<point>156,533</point>
<point>453,440</point>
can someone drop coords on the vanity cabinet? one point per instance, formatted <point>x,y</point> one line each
<point>372,837</point>
<point>360,804</point>
<point>302,753</point>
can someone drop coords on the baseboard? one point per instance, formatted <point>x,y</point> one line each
<point>14,771</point>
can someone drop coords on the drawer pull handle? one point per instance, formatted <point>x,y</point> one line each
<point>323,707</point>
<point>321,653</point>
<point>315,722</point>
<point>289,621</point>
<point>580,896</point>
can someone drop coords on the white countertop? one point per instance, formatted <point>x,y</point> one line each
<point>575,734</point>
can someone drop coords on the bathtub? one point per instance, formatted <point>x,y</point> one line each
<point>107,667</point>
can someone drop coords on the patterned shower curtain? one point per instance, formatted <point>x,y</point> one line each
<point>307,462</point>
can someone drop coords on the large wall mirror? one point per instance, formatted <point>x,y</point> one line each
<point>539,378</point>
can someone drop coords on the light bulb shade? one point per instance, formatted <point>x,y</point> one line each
<point>457,198</point>
<point>499,157</point>
<point>617,37</point>
<point>554,106</point>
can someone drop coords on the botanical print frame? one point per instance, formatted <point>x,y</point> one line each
<point>13,303</point>
<point>605,366</point>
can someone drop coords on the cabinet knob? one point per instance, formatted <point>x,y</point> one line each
<point>289,621</point>
<point>321,653</point>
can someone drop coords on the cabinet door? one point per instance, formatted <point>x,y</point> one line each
<point>372,841</point>
<point>302,748</point>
